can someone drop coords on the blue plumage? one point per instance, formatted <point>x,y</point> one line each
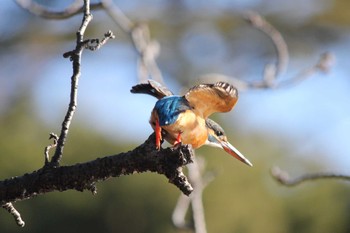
<point>169,109</point>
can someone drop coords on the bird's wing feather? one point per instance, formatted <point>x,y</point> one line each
<point>206,99</point>
<point>152,88</point>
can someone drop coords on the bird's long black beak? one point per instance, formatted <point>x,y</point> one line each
<point>234,152</point>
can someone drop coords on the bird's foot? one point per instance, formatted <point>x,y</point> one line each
<point>158,132</point>
<point>177,145</point>
<point>178,141</point>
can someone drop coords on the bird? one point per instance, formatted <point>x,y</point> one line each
<point>184,119</point>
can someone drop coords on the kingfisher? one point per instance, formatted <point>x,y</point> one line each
<point>184,119</point>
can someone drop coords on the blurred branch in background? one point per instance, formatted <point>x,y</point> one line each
<point>199,179</point>
<point>76,7</point>
<point>272,72</point>
<point>284,178</point>
<point>324,64</point>
<point>147,48</point>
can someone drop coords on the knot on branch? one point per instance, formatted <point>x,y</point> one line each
<point>173,168</point>
<point>167,161</point>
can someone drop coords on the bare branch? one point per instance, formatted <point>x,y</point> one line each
<point>95,44</point>
<point>324,64</point>
<point>73,9</point>
<point>83,176</point>
<point>283,177</point>
<point>47,149</point>
<point>75,56</point>
<point>147,49</point>
<point>117,16</point>
<point>195,171</point>
<point>17,216</point>
<point>199,181</point>
<point>271,71</point>
<point>179,213</point>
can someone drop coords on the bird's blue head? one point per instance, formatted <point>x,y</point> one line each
<point>169,109</point>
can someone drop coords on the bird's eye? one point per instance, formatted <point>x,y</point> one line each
<point>219,133</point>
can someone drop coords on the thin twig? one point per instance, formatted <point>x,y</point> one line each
<point>283,177</point>
<point>95,44</point>
<point>48,148</point>
<point>75,56</point>
<point>17,216</point>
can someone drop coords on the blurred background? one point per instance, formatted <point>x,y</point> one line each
<point>301,128</point>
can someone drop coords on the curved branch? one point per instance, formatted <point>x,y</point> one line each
<point>283,177</point>
<point>147,48</point>
<point>73,9</point>
<point>324,64</point>
<point>271,71</point>
<point>83,176</point>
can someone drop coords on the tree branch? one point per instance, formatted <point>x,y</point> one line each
<point>83,176</point>
<point>283,177</point>
<point>199,179</point>
<point>270,79</point>
<point>148,49</point>
<point>75,56</point>
<point>16,215</point>
<point>47,148</point>
<point>272,71</point>
<point>73,9</point>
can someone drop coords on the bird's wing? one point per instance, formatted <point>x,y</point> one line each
<point>206,99</point>
<point>152,88</point>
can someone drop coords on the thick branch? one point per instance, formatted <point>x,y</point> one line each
<point>83,176</point>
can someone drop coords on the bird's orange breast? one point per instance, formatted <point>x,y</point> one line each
<point>191,127</point>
